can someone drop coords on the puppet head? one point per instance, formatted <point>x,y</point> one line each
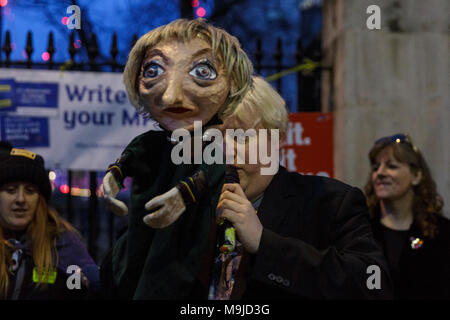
<point>186,70</point>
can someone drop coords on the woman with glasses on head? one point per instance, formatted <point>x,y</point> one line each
<point>41,255</point>
<point>407,219</point>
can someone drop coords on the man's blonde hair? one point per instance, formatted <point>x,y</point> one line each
<point>238,66</point>
<point>262,103</point>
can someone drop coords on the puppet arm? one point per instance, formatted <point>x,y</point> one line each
<point>110,190</point>
<point>172,204</point>
<point>112,183</point>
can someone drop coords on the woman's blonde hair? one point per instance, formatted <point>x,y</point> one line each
<point>41,234</point>
<point>262,103</point>
<point>237,65</point>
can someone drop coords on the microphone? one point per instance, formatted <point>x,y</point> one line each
<point>231,175</point>
<point>228,237</point>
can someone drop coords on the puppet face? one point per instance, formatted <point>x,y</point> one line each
<point>182,82</point>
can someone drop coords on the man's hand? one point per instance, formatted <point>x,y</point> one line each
<point>172,206</point>
<point>110,189</point>
<point>239,211</point>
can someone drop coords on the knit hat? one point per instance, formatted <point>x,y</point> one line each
<point>23,165</point>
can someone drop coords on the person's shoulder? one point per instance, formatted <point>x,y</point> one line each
<point>324,193</point>
<point>68,238</point>
<point>444,225</point>
<point>444,220</point>
<point>146,138</point>
<point>72,250</point>
<point>442,239</point>
<point>319,183</point>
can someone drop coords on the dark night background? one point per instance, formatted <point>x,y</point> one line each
<point>248,20</point>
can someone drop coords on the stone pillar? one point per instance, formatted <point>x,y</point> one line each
<point>393,80</point>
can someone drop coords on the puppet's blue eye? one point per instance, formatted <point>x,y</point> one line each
<point>152,70</point>
<point>204,71</point>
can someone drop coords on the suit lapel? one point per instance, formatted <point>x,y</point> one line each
<point>277,199</point>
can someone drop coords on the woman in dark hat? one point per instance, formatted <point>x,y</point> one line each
<point>407,219</point>
<point>41,254</point>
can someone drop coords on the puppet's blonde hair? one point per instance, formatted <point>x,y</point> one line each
<point>236,63</point>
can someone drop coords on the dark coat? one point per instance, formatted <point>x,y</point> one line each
<point>148,263</point>
<point>424,272</point>
<point>316,242</point>
<point>71,251</point>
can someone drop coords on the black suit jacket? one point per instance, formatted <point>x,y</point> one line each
<point>423,272</point>
<point>316,243</point>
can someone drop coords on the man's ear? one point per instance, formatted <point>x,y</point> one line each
<point>417,178</point>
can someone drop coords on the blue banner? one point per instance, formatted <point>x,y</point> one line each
<point>25,132</point>
<point>40,95</point>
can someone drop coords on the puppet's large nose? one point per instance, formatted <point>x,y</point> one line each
<point>173,94</point>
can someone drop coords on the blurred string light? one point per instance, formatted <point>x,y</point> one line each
<point>52,178</point>
<point>200,12</point>
<point>75,191</point>
<point>77,44</point>
<point>3,3</point>
<point>45,56</point>
<point>64,188</point>
<point>65,20</point>
<point>52,175</point>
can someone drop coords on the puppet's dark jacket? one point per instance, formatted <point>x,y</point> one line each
<point>166,263</point>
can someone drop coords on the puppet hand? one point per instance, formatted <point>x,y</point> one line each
<point>110,190</point>
<point>239,211</point>
<point>171,207</point>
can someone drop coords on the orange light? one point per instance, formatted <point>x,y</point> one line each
<point>78,192</point>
